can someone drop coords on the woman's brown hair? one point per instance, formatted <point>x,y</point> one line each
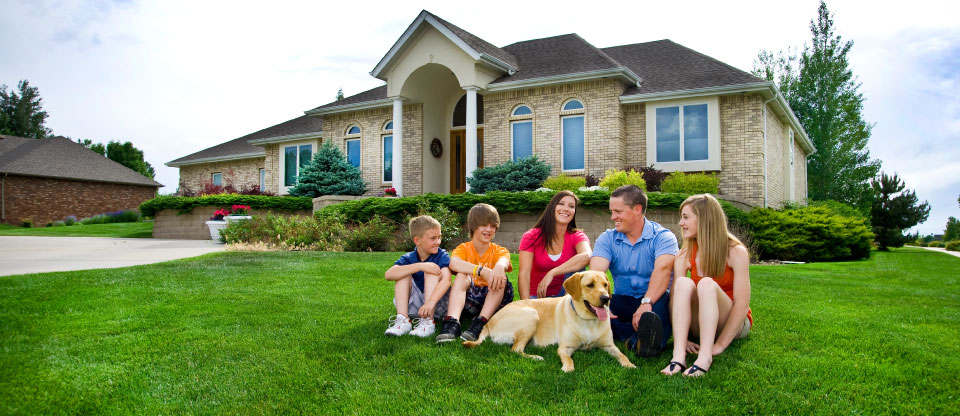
<point>547,224</point>
<point>713,239</point>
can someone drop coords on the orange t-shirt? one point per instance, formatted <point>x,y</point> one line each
<point>468,253</point>
<point>725,282</point>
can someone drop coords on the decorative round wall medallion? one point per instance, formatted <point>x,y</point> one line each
<point>436,147</point>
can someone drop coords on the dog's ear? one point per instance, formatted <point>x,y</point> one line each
<point>572,285</point>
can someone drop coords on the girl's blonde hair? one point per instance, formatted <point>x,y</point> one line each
<point>713,239</point>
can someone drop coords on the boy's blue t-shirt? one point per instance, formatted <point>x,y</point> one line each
<point>442,259</point>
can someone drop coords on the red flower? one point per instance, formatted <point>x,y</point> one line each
<point>240,210</point>
<point>219,214</point>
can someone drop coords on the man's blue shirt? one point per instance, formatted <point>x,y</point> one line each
<point>442,259</point>
<point>632,264</point>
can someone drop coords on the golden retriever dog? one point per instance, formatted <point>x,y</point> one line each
<point>579,320</point>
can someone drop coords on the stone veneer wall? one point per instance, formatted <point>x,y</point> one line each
<point>635,121</point>
<point>371,124</point>
<point>239,173</point>
<point>46,200</point>
<point>604,138</point>
<point>741,147</point>
<point>593,223</point>
<point>192,226</point>
<point>777,159</point>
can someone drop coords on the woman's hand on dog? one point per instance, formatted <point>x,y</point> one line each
<point>544,284</point>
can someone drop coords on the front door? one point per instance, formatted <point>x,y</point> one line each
<point>458,157</point>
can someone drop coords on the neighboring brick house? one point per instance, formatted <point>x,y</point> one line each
<point>453,102</point>
<point>46,180</point>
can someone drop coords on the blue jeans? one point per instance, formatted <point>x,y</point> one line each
<point>624,307</point>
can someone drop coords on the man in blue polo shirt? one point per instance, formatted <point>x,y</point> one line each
<point>639,254</point>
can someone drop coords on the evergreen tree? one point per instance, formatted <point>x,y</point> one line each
<point>329,173</point>
<point>824,94</point>
<point>893,210</point>
<point>952,232</point>
<point>22,115</point>
<point>340,94</point>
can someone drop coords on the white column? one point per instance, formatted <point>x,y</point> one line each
<point>398,145</point>
<point>471,162</point>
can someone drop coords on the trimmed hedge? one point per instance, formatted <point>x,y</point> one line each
<point>809,234</point>
<point>565,183</point>
<point>184,205</point>
<point>953,245</point>
<point>615,178</point>
<point>525,174</point>
<point>521,202</point>
<point>691,183</point>
<point>935,244</point>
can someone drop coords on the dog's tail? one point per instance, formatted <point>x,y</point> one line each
<point>483,335</point>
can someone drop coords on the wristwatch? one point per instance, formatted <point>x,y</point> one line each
<point>645,301</point>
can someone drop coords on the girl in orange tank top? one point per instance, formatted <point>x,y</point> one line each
<point>716,309</point>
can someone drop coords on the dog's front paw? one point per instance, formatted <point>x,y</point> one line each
<point>567,368</point>
<point>536,357</point>
<point>628,364</point>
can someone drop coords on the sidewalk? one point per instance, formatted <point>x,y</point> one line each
<point>30,254</point>
<point>943,250</point>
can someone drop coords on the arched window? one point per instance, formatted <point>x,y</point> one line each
<point>521,132</point>
<point>573,105</point>
<point>386,149</point>
<point>572,133</point>
<point>353,130</point>
<point>352,145</point>
<point>388,126</point>
<point>522,111</point>
<point>460,111</point>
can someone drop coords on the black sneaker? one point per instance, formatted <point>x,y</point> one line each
<point>649,336</point>
<point>449,331</point>
<point>472,333</point>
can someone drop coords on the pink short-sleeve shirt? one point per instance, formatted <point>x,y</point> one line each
<point>542,262</point>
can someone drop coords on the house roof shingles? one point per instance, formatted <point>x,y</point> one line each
<point>240,146</point>
<point>478,44</point>
<point>557,55</point>
<point>59,157</point>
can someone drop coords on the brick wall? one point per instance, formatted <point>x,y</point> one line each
<point>371,124</point>
<point>777,160</point>
<point>239,173</point>
<point>635,122</point>
<point>799,171</point>
<point>192,226</point>
<point>47,200</point>
<point>604,139</point>
<point>741,147</point>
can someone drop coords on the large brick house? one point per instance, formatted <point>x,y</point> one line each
<point>452,102</point>
<point>46,180</point>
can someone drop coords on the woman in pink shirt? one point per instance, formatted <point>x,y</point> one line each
<point>553,248</point>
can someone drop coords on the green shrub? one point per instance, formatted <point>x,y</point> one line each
<point>691,183</point>
<point>329,173</point>
<point>565,183</point>
<point>378,234</point>
<point>937,244</point>
<point>184,204</point>
<point>324,233</point>
<point>451,225</point>
<point>809,234</point>
<point>70,220</point>
<point>952,245</point>
<point>26,222</point>
<point>615,178</point>
<point>839,208</point>
<point>525,174</point>
<point>113,217</point>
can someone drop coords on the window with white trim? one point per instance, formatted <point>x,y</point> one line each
<point>521,132</point>
<point>351,145</point>
<point>295,157</point>
<point>386,146</point>
<point>263,179</point>
<point>217,179</point>
<point>572,136</point>
<point>684,134</point>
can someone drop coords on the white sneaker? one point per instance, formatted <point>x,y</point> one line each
<point>424,328</point>
<point>399,325</point>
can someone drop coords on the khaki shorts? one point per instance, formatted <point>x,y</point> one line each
<point>745,330</point>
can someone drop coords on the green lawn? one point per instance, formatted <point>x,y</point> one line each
<point>302,332</point>
<point>120,230</point>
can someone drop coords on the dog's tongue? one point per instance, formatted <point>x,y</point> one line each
<point>601,313</point>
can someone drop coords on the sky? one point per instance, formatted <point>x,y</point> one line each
<point>175,77</point>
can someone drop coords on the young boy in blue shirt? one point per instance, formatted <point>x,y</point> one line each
<point>421,281</point>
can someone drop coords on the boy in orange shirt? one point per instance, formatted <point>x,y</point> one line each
<point>481,285</point>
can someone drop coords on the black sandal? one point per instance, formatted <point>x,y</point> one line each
<point>674,364</point>
<point>693,371</point>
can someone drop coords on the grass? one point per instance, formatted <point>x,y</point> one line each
<point>141,229</point>
<point>302,332</point>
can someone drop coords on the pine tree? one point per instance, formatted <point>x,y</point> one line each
<point>893,210</point>
<point>22,115</point>
<point>824,94</point>
<point>329,173</point>
<point>340,94</point>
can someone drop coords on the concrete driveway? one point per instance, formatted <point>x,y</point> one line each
<point>27,254</point>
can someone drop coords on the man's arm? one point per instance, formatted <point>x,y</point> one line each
<point>599,264</point>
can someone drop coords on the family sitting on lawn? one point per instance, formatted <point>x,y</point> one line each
<point>643,257</point>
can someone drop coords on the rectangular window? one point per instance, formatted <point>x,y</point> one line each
<point>572,142</point>
<point>692,133</point>
<point>388,158</point>
<point>289,165</point>
<point>263,179</point>
<point>522,139</point>
<point>306,154</point>
<point>353,152</point>
<point>217,179</point>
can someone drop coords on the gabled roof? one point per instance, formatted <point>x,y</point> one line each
<point>558,56</point>
<point>240,148</point>
<point>477,48</point>
<point>667,66</point>
<point>59,157</point>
